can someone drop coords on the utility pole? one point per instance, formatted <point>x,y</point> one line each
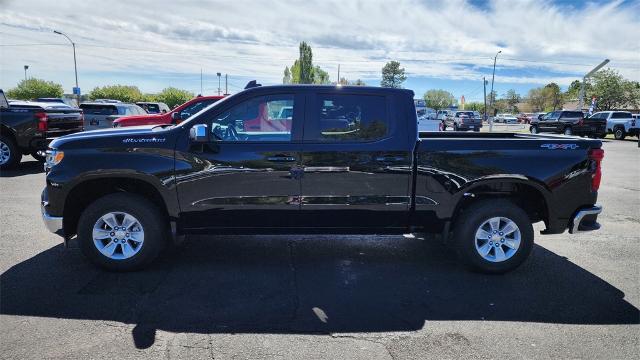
<point>589,74</point>
<point>484,85</point>
<point>226,84</point>
<point>219,90</point>
<point>25,72</point>
<point>491,93</point>
<point>338,74</point>
<point>201,82</point>
<point>76,90</point>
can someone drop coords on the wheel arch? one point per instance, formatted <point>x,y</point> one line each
<point>527,193</point>
<point>86,192</point>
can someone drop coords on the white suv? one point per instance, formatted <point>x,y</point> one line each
<point>620,123</point>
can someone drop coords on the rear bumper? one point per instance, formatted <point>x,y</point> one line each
<point>585,220</point>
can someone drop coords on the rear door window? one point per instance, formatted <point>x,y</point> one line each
<point>621,115</point>
<point>348,118</point>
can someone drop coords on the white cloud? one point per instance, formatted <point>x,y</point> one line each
<point>255,39</point>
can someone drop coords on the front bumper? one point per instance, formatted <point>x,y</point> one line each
<point>585,220</point>
<point>52,223</point>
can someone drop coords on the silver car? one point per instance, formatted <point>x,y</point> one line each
<point>100,115</point>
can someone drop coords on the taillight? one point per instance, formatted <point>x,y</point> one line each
<point>596,156</point>
<point>42,121</point>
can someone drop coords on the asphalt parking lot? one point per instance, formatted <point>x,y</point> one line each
<point>313,297</point>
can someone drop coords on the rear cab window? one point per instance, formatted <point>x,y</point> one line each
<point>348,118</point>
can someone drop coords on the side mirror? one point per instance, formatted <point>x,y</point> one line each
<point>199,134</point>
<point>175,116</point>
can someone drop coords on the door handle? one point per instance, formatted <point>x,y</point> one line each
<point>281,158</point>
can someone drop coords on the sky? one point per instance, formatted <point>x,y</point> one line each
<point>441,44</point>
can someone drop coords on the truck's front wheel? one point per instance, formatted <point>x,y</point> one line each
<point>122,232</point>
<point>493,236</point>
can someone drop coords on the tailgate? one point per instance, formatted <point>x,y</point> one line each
<point>63,122</point>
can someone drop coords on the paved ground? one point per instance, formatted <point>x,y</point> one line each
<point>312,297</point>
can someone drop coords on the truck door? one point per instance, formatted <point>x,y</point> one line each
<point>357,163</point>
<point>243,179</point>
<point>549,122</point>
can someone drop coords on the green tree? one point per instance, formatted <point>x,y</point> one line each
<point>286,79</point>
<point>173,96</point>
<point>125,93</point>
<point>357,82</point>
<point>613,91</point>
<point>536,99</point>
<point>306,64</point>
<point>303,72</point>
<point>475,106</point>
<point>392,75</point>
<point>553,96</point>
<point>439,99</point>
<point>34,88</point>
<point>512,98</point>
<point>320,76</point>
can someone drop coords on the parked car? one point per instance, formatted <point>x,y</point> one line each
<point>66,101</point>
<point>128,192</point>
<point>425,123</point>
<point>463,121</point>
<point>620,123</point>
<point>174,116</point>
<point>27,127</point>
<point>154,107</point>
<point>100,115</point>
<point>442,114</point>
<point>569,122</point>
<point>505,119</point>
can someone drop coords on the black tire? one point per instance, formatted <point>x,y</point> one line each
<point>618,133</point>
<point>476,130</point>
<point>534,129</point>
<point>470,220</point>
<point>156,230</point>
<point>455,127</point>
<point>39,156</point>
<point>10,152</point>
<point>568,131</point>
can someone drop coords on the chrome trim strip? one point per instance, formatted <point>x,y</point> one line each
<point>577,219</point>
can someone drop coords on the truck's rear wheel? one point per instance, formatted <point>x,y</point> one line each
<point>10,155</point>
<point>122,232</point>
<point>618,133</point>
<point>493,236</point>
<point>568,131</point>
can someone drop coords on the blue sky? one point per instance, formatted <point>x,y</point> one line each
<point>441,44</point>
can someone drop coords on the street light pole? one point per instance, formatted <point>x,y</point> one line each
<point>25,72</point>
<point>491,93</point>
<point>219,89</point>
<point>75,63</point>
<point>589,74</point>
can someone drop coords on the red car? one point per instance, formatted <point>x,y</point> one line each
<point>175,116</point>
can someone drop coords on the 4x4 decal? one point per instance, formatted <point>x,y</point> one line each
<point>560,146</point>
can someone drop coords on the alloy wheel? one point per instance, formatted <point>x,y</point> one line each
<point>5,153</point>
<point>118,235</point>
<point>497,239</point>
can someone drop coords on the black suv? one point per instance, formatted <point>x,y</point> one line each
<point>569,122</point>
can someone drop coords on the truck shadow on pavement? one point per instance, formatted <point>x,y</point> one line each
<point>307,284</point>
<point>24,168</point>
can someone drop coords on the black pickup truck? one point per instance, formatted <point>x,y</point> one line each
<point>349,160</point>
<point>27,128</point>
<point>569,122</point>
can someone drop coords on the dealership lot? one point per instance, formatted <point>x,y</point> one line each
<point>297,297</point>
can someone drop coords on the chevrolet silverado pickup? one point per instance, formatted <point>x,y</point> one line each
<point>352,162</point>
<point>27,127</point>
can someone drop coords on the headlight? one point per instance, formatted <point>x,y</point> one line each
<point>54,157</point>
